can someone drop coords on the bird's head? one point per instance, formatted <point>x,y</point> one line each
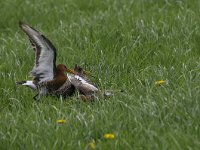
<point>79,70</point>
<point>62,69</point>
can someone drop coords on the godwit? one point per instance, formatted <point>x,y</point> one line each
<point>84,86</point>
<point>47,78</point>
<point>88,91</point>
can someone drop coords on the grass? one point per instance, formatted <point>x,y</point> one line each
<point>128,45</point>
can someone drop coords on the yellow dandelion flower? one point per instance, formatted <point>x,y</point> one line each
<point>160,82</point>
<point>109,136</point>
<point>61,121</point>
<point>92,145</point>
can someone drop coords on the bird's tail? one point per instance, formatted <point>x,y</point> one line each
<point>29,84</point>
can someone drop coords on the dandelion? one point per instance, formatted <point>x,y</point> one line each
<point>92,145</point>
<point>61,121</point>
<point>160,82</point>
<point>109,136</point>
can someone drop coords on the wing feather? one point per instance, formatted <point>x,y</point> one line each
<point>82,85</point>
<point>45,55</point>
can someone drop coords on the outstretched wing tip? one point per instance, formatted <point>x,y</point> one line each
<point>21,24</point>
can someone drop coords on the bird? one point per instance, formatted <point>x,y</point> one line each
<point>83,84</point>
<point>88,91</point>
<point>48,79</point>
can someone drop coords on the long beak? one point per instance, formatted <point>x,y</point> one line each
<point>71,71</point>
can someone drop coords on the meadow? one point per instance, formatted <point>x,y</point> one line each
<point>127,45</point>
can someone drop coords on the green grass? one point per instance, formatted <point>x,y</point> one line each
<point>128,45</point>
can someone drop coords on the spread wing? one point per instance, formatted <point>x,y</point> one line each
<point>45,55</point>
<point>82,85</point>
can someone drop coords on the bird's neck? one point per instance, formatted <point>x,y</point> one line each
<point>59,73</point>
<point>59,80</point>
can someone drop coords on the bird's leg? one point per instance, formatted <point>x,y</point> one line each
<point>41,93</point>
